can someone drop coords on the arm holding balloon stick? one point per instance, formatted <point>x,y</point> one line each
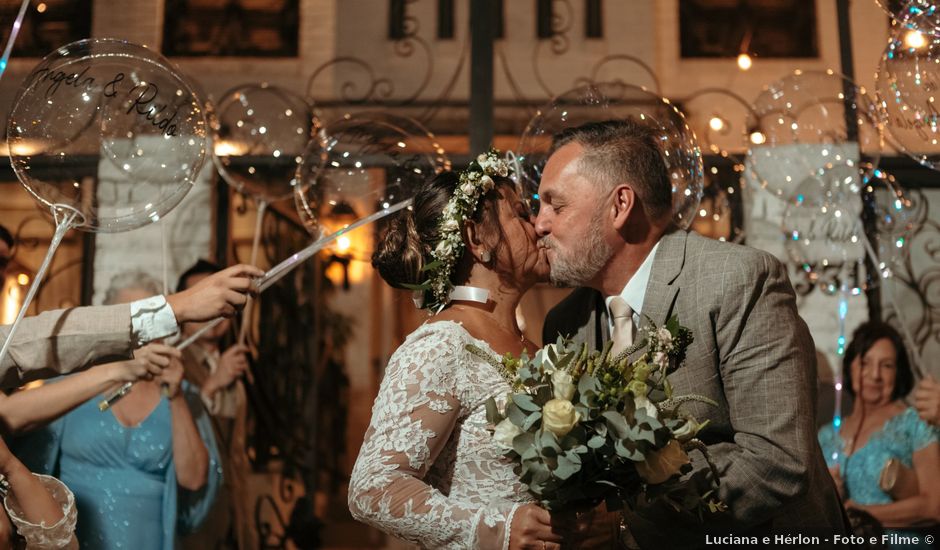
<point>272,276</point>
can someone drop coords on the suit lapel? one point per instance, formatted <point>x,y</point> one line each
<point>663,287</point>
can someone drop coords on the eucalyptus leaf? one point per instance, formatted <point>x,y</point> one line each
<point>531,420</point>
<point>566,467</point>
<point>525,402</point>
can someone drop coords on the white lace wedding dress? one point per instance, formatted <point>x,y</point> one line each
<point>428,471</point>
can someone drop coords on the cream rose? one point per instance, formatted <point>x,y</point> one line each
<point>451,224</point>
<point>468,188</point>
<point>487,183</point>
<point>559,417</point>
<point>505,432</point>
<point>562,385</point>
<point>662,464</point>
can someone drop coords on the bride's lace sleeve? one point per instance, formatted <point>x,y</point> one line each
<point>414,414</point>
<point>42,536</point>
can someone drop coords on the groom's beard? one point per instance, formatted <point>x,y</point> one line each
<point>577,267</point>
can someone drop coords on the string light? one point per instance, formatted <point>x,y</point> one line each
<point>744,61</point>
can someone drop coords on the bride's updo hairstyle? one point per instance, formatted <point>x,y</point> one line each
<point>405,247</point>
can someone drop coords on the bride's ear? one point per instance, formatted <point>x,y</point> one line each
<point>474,240</point>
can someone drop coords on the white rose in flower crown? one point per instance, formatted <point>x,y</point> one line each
<point>559,417</point>
<point>487,183</point>
<point>502,169</point>
<point>562,385</point>
<point>482,159</point>
<point>451,224</point>
<point>505,432</point>
<point>468,188</point>
<point>443,249</point>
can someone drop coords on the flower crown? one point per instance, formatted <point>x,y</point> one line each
<point>474,182</point>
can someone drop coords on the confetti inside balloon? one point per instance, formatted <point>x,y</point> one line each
<point>896,220</point>
<point>801,123</point>
<point>822,224</point>
<point>908,79</point>
<point>363,163</point>
<point>107,100</point>
<point>606,101</point>
<point>260,133</point>
<point>918,15</point>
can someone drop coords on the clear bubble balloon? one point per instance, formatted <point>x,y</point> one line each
<point>895,220</point>
<point>822,224</point>
<point>259,134</point>
<point>908,82</point>
<point>606,101</point>
<point>919,15</point>
<point>800,124</point>
<point>120,107</point>
<point>363,163</point>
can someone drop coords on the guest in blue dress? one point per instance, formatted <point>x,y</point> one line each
<point>142,472</point>
<point>877,373</point>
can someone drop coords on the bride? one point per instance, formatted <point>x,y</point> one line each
<point>429,471</point>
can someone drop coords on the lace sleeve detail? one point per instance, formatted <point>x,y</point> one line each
<point>60,535</point>
<point>414,416</point>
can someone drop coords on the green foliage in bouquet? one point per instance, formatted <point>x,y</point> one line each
<point>583,427</point>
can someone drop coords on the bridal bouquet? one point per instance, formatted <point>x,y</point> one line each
<point>582,426</point>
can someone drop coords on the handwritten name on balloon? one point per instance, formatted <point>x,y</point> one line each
<point>925,122</point>
<point>142,96</point>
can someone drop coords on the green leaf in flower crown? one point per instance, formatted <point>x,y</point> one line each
<point>531,420</point>
<point>492,412</point>
<point>423,286</point>
<point>431,266</point>
<point>525,402</point>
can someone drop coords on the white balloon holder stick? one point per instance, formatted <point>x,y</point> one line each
<point>65,218</point>
<point>272,276</point>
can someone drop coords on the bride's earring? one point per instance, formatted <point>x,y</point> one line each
<point>486,257</point>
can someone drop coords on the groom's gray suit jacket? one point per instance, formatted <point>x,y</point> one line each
<point>752,354</point>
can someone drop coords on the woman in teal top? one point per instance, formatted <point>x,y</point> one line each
<point>876,372</point>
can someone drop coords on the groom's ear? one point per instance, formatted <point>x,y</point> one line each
<point>624,201</point>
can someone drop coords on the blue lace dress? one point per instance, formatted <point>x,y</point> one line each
<point>900,437</point>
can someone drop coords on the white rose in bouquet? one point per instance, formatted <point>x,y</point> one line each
<point>562,385</point>
<point>559,417</point>
<point>505,432</point>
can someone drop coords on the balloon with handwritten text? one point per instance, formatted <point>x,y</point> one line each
<point>822,225</point>
<point>109,129</point>
<point>908,83</point>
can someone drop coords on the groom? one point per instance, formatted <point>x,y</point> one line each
<point>605,221</point>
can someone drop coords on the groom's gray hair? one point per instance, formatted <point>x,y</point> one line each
<point>623,151</point>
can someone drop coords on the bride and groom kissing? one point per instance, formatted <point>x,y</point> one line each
<point>429,471</point>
